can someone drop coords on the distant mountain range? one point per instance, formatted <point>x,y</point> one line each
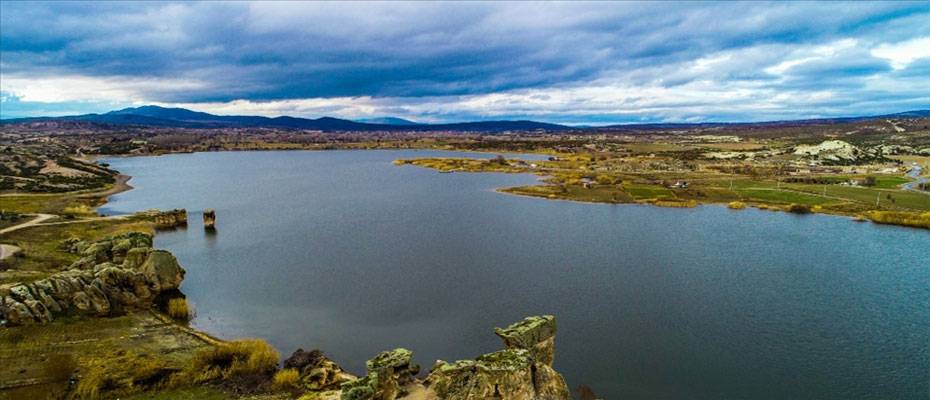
<point>183,118</point>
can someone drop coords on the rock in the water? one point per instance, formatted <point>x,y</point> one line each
<point>209,218</point>
<point>171,219</point>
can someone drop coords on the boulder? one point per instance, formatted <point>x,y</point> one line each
<point>301,359</point>
<point>162,271</point>
<point>13,312</point>
<point>388,373</point>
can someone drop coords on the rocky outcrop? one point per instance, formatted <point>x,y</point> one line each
<point>209,219</point>
<point>170,219</point>
<point>388,375</point>
<point>119,271</point>
<point>317,372</point>
<point>522,371</point>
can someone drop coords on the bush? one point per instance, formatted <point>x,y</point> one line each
<point>799,209</point>
<point>286,379</point>
<point>179,309</point>
<point>238,358</point>
<point>737,205</point>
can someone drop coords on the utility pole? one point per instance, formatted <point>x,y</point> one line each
<point>878,197</point>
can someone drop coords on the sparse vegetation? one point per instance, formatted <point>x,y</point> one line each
<point>286,379</point>
<point>736,205</point>
<point>246,358</point>
<point>912,219</point>
<point>179,309</point>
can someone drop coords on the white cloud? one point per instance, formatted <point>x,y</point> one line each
<point>901,54</point>
<point>94,89</point>
<point>805,55</point>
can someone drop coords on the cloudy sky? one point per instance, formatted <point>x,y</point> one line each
<point>577,63</point>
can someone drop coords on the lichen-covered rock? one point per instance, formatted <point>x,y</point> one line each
<point>87,262</point>
<point>536,334</point>
<point>135,257</point>
<point>162,271</point>
<point>13,312</point>
<point>388,373</point>
<point>522,371</point>
<point>360,389</point>
<point>99,251</point>
<point>505,374</point>
<point>97,284</point>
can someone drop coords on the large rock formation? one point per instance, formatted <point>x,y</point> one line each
<point>122,270</point>
<point>170,219</point>
<point>521,371</point>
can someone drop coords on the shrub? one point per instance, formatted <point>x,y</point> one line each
<point>235,359</point>
<point>286,379</point>
<point>799,208</point>
<point>737,205</point>
<point>179,309</point>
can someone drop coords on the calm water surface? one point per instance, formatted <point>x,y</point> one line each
<point>345,252</point>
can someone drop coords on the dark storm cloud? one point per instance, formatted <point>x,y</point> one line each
<point>262,52</point>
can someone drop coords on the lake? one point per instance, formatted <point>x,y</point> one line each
<point>343,251</point>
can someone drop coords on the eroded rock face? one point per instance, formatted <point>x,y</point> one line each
<point>536,334</point>
<point>317,372</point>
<point>170,219</point>
<point>388,373</point>
<point>523,371</point>
<point>96,283</point>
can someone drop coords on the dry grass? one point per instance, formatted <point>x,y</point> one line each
<point>676,203</point>
<point>286,379</point>
<point>121,374</point>
<point>911,219</point>
<point>239,358</point>
<point>179,309</point>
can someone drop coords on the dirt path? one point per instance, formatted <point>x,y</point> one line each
<point>35,221</point>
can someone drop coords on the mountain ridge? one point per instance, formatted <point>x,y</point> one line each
<point>151,115</point>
